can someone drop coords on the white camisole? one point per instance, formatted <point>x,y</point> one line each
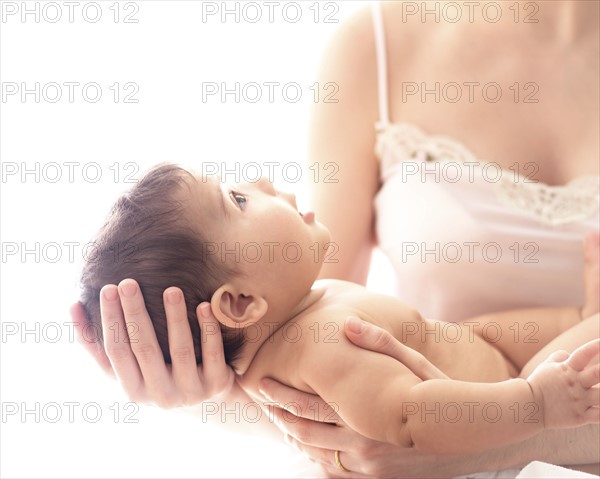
<point>466,237</point>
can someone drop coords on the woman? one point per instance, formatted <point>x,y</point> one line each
<point>484,84</point>
<point>483,181</point>
<point>401,59</point>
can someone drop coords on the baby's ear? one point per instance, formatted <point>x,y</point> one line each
<point>237,310</point>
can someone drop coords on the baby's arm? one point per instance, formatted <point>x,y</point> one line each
<point>383,400</point>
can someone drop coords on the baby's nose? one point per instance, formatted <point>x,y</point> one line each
<point>265,185</point>
<point>289,197</point>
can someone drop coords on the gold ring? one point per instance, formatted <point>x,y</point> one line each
<point>338,463</point>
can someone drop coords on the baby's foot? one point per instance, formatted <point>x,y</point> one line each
<point>591,275</point>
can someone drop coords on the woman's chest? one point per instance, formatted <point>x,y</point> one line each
<point>534,112</point>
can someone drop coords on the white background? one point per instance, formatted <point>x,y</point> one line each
<point>168,54</point>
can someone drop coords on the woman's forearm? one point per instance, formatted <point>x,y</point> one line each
<point>565,447</point>
<point>579,445</point>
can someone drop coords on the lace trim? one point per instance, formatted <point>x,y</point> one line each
<point>553,205</point>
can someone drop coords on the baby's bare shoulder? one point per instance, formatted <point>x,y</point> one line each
<point>344,298</point>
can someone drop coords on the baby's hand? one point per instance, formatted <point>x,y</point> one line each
<point>566,387</point>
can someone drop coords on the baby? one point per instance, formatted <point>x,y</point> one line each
<point>248,251</point>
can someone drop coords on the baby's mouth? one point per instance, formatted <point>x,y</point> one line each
<point>308,217</point>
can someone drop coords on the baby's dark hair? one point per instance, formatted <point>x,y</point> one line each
<point>150,237</point>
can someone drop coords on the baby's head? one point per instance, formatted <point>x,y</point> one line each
<point>246,249</point>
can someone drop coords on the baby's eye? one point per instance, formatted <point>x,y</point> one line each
<point>239,199</point>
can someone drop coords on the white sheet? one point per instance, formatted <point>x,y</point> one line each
<point>542,470</point>
<point>533,470</point>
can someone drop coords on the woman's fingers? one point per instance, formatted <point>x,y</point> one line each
<point>141,338</point>
<point>299,403</point>
<point>369,336</point>
<point>218,376</point>
<point>116,343</point>
<point>181,346</point>
<point>327,458</point>
<point>132,353</point>
<point>591,274</point>
<point>309,432</point>
<point>89,338</point>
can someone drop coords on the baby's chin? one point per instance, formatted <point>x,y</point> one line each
<point>326,232</point>
<point>314,221</point>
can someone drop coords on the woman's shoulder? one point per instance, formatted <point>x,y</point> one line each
<point>351,48</point>
<point>350,56</point>
<point>410,27</point>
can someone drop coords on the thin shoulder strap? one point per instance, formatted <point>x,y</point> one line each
<point>381,63</point>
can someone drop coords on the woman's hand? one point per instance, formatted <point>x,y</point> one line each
<point>369,336</point>
<point>360,456</point>
<point>307,424</point>
<point>136,359</point>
